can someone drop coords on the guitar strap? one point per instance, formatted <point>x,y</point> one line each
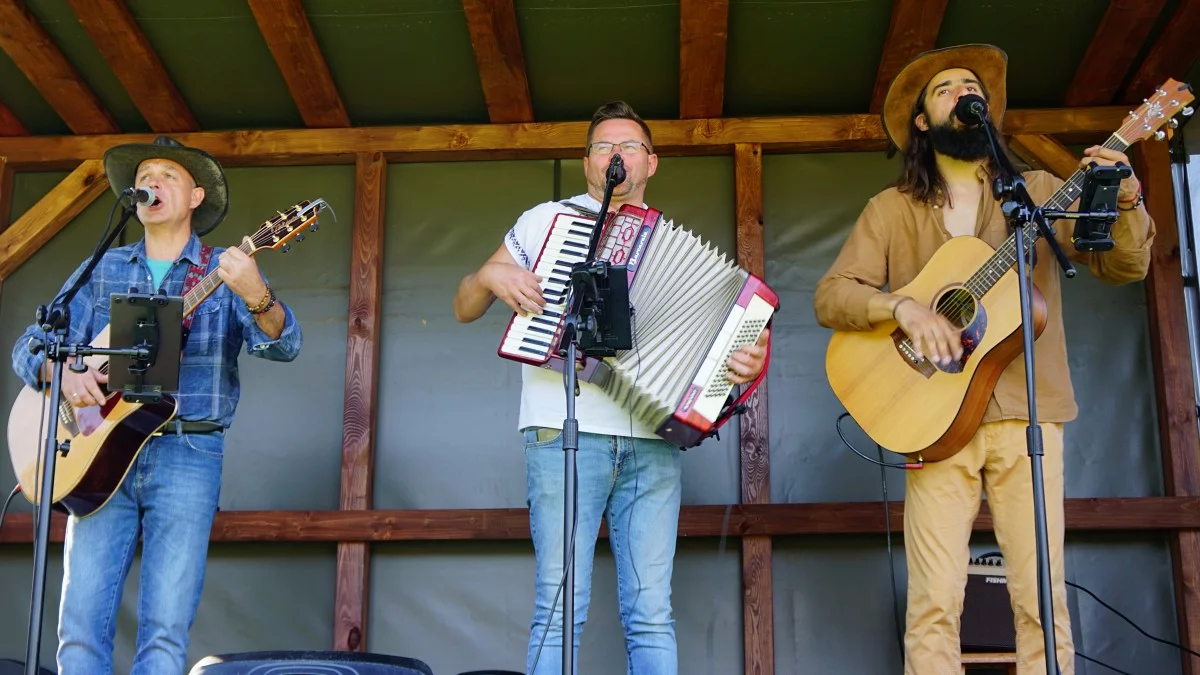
<point>195,273</point>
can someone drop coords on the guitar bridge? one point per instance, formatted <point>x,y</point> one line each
<point>907,352</point>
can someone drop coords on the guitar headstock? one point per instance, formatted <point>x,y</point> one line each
<point>278,232</point>
<point>1171,99</point>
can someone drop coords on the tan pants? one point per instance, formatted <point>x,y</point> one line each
<point>940,506</point>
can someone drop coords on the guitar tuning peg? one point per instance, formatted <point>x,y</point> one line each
<point>1159,135</point>
<point>1173,122</point>
<point>1188,110</point>
<point>313,228</point>
<point>285,248</point>
<point>300,237</point>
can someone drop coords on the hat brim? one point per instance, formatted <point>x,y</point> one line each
<point>988,62</point>
<point>121,164</point>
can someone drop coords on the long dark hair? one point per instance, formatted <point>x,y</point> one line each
<point>919,176</point>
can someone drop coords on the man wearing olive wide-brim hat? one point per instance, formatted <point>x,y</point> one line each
<point>944,191</point>
<point>169,495</point>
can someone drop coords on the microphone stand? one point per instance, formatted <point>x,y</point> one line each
<point>581,324</point>
<point>57,320</point>
<point>1021,213</point>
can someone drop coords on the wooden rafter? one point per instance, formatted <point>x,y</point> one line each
<point>500,59</point>
<point>290,38</point>
<point>52,213</point>
<point>1043,152</point>
<point>1111,514</point>
<point>1171,356</point>
<point>1114,46</point>
<point>9,124</point>
<point>360,404</point>
<point>913,29</point>
<point>1172,55</point>
<point>128,53</point>
<point>30,47</point>
<point>703,36</point>
<point>557,139</point>
<point>758,619</point>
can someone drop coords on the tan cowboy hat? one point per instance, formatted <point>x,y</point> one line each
<point>988,62</point>
<point>121,164</point>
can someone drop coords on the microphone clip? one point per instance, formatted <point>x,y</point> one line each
<point>616,170</point>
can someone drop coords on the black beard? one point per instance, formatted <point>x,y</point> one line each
<point>966,143</point>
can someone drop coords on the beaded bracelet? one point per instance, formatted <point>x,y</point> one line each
<point>267,303</point>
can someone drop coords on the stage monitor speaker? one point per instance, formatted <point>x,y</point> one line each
<point>987,618</point>
<point>309,663</point>
<point>11,667</point>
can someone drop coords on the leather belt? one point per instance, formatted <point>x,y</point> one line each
<point>184,427</point>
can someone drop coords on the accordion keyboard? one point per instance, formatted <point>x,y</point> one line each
<point>531,338</point>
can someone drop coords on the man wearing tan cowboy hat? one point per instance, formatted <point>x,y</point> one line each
<point>944,191</point>
<point>170,494</point>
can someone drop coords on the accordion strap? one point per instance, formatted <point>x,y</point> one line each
<point>582,210</point>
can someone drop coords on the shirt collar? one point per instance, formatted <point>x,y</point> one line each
<point>190,253</point>
<point>589,202</point>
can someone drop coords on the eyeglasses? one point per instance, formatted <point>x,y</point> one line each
<point>606,148</point>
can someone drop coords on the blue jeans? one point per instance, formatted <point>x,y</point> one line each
<point>635,483</point>
<point>169,497</point>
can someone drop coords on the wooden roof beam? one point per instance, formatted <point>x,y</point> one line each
<point>703,36</point>
<point>128,53</point>
<point>9,124</point>
<point>1045,153</point>
<point>30,47</point>
<point>913,29</point>
<point>1172,55</point>
<point>290,38</point>
<point>295,147</point>
<point>500,59</point>
<point>1109,57</point>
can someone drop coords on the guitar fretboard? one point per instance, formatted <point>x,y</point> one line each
<point>1006,256</point>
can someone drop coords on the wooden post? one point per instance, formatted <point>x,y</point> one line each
<point>362,380</point>
<point>758,622</point>
<point>1173,383</point>
<point>6,188</point>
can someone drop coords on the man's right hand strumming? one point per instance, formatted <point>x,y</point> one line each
<point>932,335</point>
<point>84,389</point>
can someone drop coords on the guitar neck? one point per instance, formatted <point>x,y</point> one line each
<point>1005,257</point>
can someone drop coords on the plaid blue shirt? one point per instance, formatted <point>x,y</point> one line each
<point>208,373</point>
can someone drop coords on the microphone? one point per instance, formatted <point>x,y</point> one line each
<point>616,170</point>
<point>141,195</point>
<point>971,110</point>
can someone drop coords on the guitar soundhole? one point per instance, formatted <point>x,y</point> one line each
<point>958,306</point>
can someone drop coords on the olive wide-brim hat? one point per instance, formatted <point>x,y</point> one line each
<point>121,164</point>
<point>988,62</point>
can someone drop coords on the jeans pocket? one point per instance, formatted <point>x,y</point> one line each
<point>542,437</point>
<point>211,444</point>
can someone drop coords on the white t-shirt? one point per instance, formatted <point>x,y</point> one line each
<point>543,397</point>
